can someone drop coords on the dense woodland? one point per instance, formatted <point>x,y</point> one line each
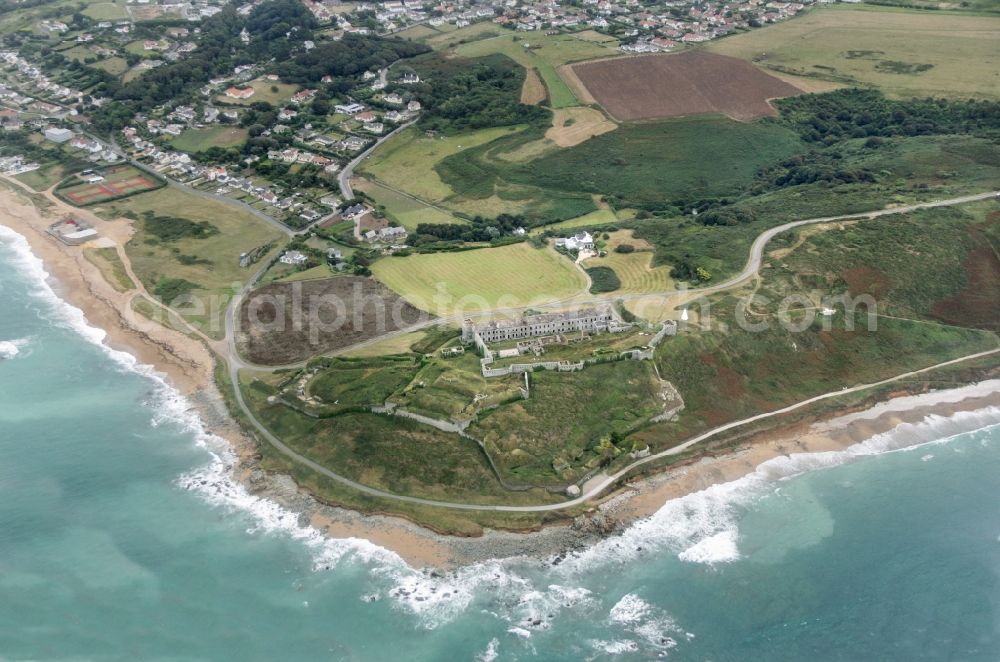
<point>348,58</point>
<point>461,94</point>
<point>478,229</point>
<point>856,113</point>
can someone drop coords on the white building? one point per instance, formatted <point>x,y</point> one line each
<point>295,258</point>
<point>57,134</point>
<point>581,241</point>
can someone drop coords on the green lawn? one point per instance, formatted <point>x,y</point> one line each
<point>905,53</point>
<point>483,278</point>
<point>45,177</point>
<point>198,140</point>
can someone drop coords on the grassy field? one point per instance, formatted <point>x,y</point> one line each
<point>565,419</point>
<point>407,161</point>
<point>403,209</point>
<point>646,163</point>
<point>410,163</point>
<point>904,53</point>
<point>111,267</point>
<point>398,344</point>
<point>417,33</point>
<point>391,453</point>
<point>484,278</point>
<point>116,66</point>
<point>454,389</point>
<point>217,271</point>
<point>348,383</point>
<point>106,11</point>
<point>634,270</point>
<point>198,140</point>
<point>543,53</point>
<point>449,37</point>
<point>45,177</point>
<point>273,92</point>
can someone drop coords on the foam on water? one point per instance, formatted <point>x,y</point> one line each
<point>11,348</point>
<point>702,527</point>
<point>435,599</point>
<point>698,528</point>
<point>491,653</point>
<point>636,616</point>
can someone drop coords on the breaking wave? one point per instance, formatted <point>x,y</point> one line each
<point>11,348</point>
<point>526,594</point>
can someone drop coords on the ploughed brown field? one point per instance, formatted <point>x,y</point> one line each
<point>282,323</point>
<point>690,83</point>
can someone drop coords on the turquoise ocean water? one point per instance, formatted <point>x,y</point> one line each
<point>121,537</point>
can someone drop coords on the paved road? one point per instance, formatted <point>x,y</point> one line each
<point>596,488</point>
<point>344,179</point>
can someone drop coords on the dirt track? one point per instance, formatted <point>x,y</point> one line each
<point>690,83</point>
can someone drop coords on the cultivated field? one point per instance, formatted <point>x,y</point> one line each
<point>116,66</point>
<point>347,310</point>
<point>572,126</point>
<point>119,182</point>
<point>533,90</point>
<point>198,140</point>
<point>688,83</point>
<point>545,53</point>
<point>480,279</point>
<point>904,53</point>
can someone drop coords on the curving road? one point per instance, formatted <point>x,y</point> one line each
<point>344,178</point>
<point>594,489</point>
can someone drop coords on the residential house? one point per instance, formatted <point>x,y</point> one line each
<point>294,258</point>
<point>579,242</point>
<point>240,92</point>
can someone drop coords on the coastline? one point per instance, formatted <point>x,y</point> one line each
<point>187,364</point>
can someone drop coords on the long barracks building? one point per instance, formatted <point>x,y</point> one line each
<point>601,319</point>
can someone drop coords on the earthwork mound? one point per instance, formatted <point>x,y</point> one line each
<point>658,86</point>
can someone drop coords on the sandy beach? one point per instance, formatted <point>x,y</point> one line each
<point>187,363</point>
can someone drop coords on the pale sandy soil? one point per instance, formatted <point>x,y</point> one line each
<point>584,124</point>
<point>533,90</point>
